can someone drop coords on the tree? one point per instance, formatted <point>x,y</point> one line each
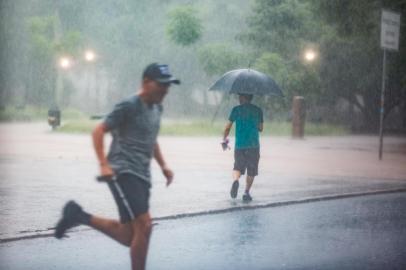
<point>284,27</point>
<point>350,65</point>
<point>47,44</point>
<point>352,57</point>
<point>29,49</point>
<point>218,58</point>
<point>278,33</point>
<point>41,83</point>
<point>13,52</point>
<point>184,28</point>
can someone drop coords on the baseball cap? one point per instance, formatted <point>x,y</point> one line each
<point>159,73</point>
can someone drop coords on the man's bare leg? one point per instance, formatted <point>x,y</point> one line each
<point>142,228</point>
<point>73,214</point>
<point>122,233</point>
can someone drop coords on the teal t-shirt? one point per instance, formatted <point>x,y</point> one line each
<point>247,118</point>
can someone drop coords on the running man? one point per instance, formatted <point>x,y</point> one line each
<point>249,122</point>
<point>134,124</point>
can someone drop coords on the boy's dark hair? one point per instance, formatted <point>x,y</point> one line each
<point>249,97</point>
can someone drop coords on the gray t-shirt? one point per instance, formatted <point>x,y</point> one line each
<point>134,126</point>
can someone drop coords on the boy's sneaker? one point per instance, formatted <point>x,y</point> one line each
<point>246,197</point>
<point>234,189</point>
<point>72,216</point>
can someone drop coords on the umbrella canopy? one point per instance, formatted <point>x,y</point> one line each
<point>247,81</point>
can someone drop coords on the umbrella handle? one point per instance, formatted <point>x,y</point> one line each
<point>217,109</point>
<point>215,114</point>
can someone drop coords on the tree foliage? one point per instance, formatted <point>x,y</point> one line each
<point>278,33</point>
<point>271,36</point>
<point>352,57</point>
<point>45,48</point>
<point>281,26</point>
<point>218,58</point>
<point>184,28</point>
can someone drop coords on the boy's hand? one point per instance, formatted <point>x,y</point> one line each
<point>224,144</point>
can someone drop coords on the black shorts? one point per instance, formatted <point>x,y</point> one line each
<point>136,193</point>
<point>246,159</point>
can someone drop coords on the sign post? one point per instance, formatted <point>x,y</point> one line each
<point>390,24</point>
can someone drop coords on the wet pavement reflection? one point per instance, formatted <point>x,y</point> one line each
<point>365,232</point>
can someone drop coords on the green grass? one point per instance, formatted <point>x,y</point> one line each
<point>74,121</point>
<point>28,113</point>
<point>206,128</point>
<point>32,113</point>
<point>192,128</point>
<point>312,129</point>
<point>77,126</point>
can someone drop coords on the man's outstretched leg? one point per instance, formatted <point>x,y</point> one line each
<point>142,228</point>
<point>122,233</point>
<point>74,215</point>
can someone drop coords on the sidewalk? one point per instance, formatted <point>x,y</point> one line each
<point>41,170</point>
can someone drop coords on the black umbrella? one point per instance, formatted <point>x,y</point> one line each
<point>247,81</point>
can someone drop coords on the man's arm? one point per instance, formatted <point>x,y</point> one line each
<point>98,144</point>
<point>168,173</point>
<point>261,121</point>
<point>260,127</point>
<point>227,130</point>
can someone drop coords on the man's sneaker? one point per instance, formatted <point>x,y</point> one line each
<point>71,217</point>
<point>234,189</point>
<point>246,197</point>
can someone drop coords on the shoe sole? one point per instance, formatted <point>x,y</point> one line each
<point>61,228</point>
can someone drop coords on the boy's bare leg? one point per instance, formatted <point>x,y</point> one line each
<point>247,197</point>
<point>249,181</point>
<point>236,175</point>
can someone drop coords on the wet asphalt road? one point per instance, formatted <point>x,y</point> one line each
<point>366,232</point>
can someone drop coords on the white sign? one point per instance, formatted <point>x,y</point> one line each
<point>390,24</point>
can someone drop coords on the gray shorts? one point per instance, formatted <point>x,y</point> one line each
<point>246,159</point>
<point>136,192</point>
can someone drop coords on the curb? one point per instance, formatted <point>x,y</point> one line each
<point>282,203</point>
<point>229,210</point>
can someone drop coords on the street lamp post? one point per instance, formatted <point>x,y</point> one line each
<point>90,57</point>
<point>65,63</point>
<point>54,112</point>
<point>298,103</point>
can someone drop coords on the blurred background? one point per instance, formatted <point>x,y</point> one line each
<point>82,56</point>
